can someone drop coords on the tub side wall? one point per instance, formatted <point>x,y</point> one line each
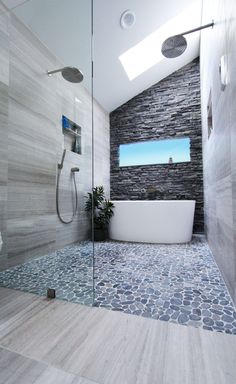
<point>168,109</point>
<point>167,222</point>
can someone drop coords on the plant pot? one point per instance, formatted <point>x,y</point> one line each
<point>100,234</point>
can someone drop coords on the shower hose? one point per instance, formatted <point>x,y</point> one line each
<point>75,206</point>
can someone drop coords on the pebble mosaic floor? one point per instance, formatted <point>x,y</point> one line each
<point>177,283</point>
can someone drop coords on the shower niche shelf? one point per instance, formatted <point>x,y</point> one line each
<point>72,135</point>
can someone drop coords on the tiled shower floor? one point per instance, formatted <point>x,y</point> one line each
<point>176,283</point>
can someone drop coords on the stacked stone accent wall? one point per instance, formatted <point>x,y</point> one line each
<point>168,109</point>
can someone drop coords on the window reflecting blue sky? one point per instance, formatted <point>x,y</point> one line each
<point>155,152</point>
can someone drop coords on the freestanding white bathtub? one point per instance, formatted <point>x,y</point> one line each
<point>155,221</point>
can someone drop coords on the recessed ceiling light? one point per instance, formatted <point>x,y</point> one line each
<point>127,19</point>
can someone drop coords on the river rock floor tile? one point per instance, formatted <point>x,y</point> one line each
<point>180,283</point>
<point>69,271</point>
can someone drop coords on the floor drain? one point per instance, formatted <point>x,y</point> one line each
<point>51,293</point>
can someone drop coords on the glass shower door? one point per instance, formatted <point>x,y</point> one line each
<point>46,148</point>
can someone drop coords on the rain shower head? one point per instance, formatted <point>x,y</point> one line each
<point>71,74</point>
<point>174,46</point>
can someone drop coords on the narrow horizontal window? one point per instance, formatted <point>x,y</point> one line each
<point>155,152</point>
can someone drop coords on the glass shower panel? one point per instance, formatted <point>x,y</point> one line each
<point>46,148</point>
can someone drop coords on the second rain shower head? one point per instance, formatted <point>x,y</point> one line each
<point>174,46</point>
<point>71,74</point>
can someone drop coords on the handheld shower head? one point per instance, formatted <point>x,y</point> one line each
<point>60,165</point>
<point>71,74</point>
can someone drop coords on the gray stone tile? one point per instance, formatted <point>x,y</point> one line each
<point>176,283</point>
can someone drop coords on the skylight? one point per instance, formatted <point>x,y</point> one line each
<point>147,52</point>
<point>155,152</point>
<point>142,56</point>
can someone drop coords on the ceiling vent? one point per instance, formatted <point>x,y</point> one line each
<point>127,19</point>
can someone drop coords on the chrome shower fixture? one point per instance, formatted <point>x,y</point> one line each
<point>174,46</point>
<point>71,74</point>
<point>75,169</point>
<point>74,193</point>
<point>60,165</point>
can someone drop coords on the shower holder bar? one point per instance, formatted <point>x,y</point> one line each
<point>198,29</point>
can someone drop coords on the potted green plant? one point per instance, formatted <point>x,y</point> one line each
<point>101,210</point>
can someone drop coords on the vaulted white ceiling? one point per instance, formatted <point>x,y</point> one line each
<point>112,86</point>
<point>65,27</point>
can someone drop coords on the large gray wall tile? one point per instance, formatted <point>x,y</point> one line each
<point>4,45</point>
<point>32,143</point>
<point>101,148</point>
<point>4,101</point>
<point>219,152</point>
<point>31,153</point>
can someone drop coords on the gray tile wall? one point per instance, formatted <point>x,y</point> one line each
<point>169,109</point>
<point>4,107</point>
<point>31,106</point>
<point>219,152</point>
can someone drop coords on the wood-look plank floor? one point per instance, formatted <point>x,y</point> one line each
<point>108,347</point>
<point>15,368</point>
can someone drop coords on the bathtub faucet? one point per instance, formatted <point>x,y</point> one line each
<point>143,194</point>
<point>151,193</point>
<point>155,194</point>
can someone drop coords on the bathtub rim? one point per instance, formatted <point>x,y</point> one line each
<point>152,201</point>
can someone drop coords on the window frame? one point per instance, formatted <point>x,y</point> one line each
<point>156,163</point>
